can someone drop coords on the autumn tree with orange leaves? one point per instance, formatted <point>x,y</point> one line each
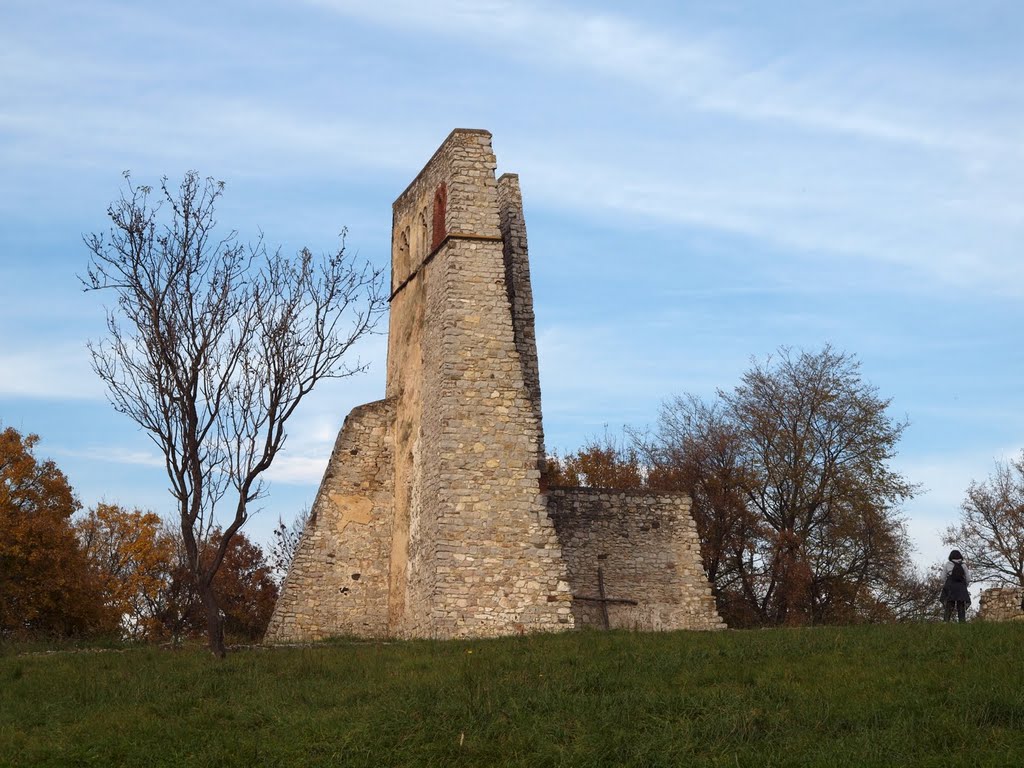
<point>600,463</point>
<point>244,584</point>
<point>142,570</point>
<point>132,558</point>
<point>47,588</point>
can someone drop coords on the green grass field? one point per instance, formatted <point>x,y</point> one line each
<point>894,695</point>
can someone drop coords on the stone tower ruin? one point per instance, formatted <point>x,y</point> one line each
<point>433,519</point>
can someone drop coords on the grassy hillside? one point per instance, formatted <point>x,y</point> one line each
<point>903,695</point>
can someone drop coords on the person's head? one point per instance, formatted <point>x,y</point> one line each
<point>955,555</point>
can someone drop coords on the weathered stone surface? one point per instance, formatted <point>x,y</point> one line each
<point>1001,604</point>
<point>338,581</point>
<point>646,548</point>
<point>432,520</point>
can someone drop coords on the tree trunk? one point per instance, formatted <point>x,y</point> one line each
<point>214,622</point>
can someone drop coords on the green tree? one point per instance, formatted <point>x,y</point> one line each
<point>211,346</point>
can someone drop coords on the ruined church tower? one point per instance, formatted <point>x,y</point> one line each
<point>432,519</point>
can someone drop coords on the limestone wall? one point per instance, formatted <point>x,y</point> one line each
<point>431,520</point>
<point>338,582</point>
<point>413,380</point>
<point>646,547</point>
<point>498,560</point>
<point>480,556</point>
<point>520,292</point>
<point>1001,604</point>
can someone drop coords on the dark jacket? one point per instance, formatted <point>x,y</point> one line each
<point>956,590</point>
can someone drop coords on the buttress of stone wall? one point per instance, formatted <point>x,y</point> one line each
<point>520,291</point>
<point>1002,604</point>
<point>647,550</point>
<point>406,389</point>
<point>338,581</point>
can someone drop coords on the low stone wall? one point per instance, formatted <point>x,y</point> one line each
<point>1001,604</point>
<point>641,550</point>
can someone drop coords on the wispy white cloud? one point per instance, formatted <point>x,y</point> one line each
<point>833,217</point>
<point>883,161</point>
<point>706,73</point>
<point>229,137</point>
<point>873,200</point>
<point>298,470</point>
<point>112,454</point>
<point>58,371</point>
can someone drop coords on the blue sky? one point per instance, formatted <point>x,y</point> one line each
<point>703,182</point>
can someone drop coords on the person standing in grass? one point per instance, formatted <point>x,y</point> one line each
<point>954,592</point>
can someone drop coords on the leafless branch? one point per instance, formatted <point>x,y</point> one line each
<point>212,345</point>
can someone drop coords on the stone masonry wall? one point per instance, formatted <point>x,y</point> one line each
<point>646,546</point>
<point>431,520</point>
<point>498,559</point>
<point>481,556</point>
<point>338,581</point>
<point>520,292</point>
<point>1001,604</point>
<point>413,381</point>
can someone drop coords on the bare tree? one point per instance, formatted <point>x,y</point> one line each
<point>211,346</point>
<point>991,529</point>
<point>697,449</point>
<point>285,545</point>
<point>795,503</point>
<point>909,596</point>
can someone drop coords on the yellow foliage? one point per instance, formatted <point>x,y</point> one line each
<point>131,558</point>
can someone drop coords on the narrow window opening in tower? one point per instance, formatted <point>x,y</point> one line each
<point>440,206</point>
<point>400,269</point>
<point>421,246</point>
